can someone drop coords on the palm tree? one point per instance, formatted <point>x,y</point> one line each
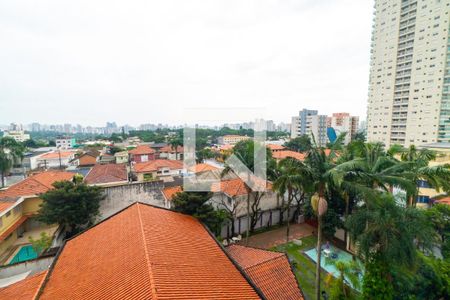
<point>347,271</point>
<point>385,235</point>
<point>293,176</point>
<point>174,144</point>
<point>438,177</point>
<point>376,169</point>
<point>10,153</point>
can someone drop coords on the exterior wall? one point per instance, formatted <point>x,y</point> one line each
<point>160,173</point>
<point>119,197</point>
<point>142,157</point>
<point>65,143</point>
<point>231,139</point>
<point>31,205</point>
<point>409,101</point>
<point>121,159</point>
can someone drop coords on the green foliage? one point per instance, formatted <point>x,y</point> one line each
<point>11,153</point>
<point>194,204</point>
<point>203,154</point>
<point>41,244</point>
<point>439,217</point>
<point>113,150</point>
<point>347,270</point>
<point>377,283</point>
<point>429,279</point>
<point>299,144</point>
<point>74,206</point>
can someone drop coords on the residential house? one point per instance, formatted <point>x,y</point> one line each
<point>65,142</point>
<point>106,158</point>
<point>155,169</point>
<point>107,175</point>
<point>142,153</point>
<point>121,157</point>
<point>232,139</point>
<point>55,159</point>
<point>145,252</point>
<point>86,159</point>
<point>18,204</point>
<point>203,167</point>
<point>172,153</point>
<point>282,154</point>
<point>275,147</point>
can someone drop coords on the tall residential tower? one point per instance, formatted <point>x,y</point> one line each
<point>409,93</point>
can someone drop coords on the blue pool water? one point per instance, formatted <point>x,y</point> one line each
<point>330,268</point>
<point>25,253</point>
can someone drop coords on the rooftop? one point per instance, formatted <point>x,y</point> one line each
<point>57,155</point>
<point>155,165</point>
<point>130,255</point>
<point>141,150</point>
<point>36,184</point>
<point>288,153</point>
<point>107,174</point>
<point>26,289</point>
<point>198,168</point>
<point>270,271</point>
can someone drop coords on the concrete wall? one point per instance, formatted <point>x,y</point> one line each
<point>121,196</point>
<point>35,265</point>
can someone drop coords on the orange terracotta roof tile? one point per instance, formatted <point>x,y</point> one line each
<point>155,165</point>
<point>36,184</point>
<point>288,153</point>
<point>270,271</point>
<point>145,252</point>
<point>198,168</point>
<point>275,147</point>
<point>141,150</point>
<point>56,155</point>
<point>170,192</point>
<point>445,200</point>
<point>7,203</point>
<point>236,186</point>
<point>25,289</point>
<point>169,148</point>
<point>107,173</point>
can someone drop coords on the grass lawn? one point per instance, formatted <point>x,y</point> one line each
<point>305,268</point>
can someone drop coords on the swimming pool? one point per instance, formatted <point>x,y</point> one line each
<point>330,268</point>
<point>25,253</point>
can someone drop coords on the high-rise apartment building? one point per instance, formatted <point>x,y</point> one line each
<point>344,122</point>
<point>409,96</point>
<point>309,122</point>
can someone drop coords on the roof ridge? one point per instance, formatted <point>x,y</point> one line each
<point>44,276</point>
<point>149,266</point>
<point>266,261</point>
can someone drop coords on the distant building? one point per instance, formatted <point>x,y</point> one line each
<point>107,175</point>
<point>64,142</point>
<point>156,169</point>
<point>142,153</point>
<point>55,159</point>
<point>409,83</point>
<point>343,122</point>
<point>231,139</point>
<point>19,136</point>
<point>309,122</point>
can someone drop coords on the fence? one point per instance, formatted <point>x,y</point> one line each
<point>266,219</point>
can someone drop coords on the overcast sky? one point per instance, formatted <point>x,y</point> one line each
<point>181,61</point>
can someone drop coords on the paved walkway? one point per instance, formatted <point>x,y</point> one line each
<point>277,236</point>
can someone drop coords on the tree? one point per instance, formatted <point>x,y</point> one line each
<point>293,176</point>
<point>299,144</point>
<point>439,217</point>
<point>203,154</point>
<point>245,152</point>
<point>194,204</point>
<point>11,152</point>
<point>41,244</point>
<point>385,236</point>
<point>175,143</point>
<point>347,270</point>
<point>74,206</point>
<point>437,177</point>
